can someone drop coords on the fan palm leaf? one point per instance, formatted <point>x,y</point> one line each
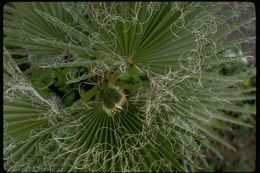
<point>156,95</point>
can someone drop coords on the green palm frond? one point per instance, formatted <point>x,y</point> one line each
<point>155,98</point>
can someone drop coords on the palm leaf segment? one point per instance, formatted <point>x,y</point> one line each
<point>160,125</point>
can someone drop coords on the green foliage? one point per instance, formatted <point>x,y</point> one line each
<point>129,86</point>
